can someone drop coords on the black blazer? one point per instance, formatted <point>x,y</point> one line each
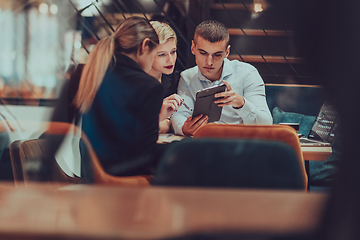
<point>122,123</point>
<point>170,83</point>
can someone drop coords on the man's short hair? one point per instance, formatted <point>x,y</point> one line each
<point>212,31</point>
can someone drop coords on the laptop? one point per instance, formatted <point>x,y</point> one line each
<point>324,128</point>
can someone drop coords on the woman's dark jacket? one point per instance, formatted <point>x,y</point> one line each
<point>170,83</point>
<point>122,122</point>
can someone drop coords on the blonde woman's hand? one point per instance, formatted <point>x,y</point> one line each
<point>164,126</point>
<point>169,106</point>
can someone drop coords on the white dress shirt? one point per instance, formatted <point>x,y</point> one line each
<point>244,80</point>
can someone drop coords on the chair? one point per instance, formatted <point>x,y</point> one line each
<point>281,133</point>
<point>232,163</point>
<point>16,162</point>
<point>93,167</point>
<point>25,156</point>
<point>30,153</point>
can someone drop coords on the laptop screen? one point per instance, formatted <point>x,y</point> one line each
<point>325,124</point>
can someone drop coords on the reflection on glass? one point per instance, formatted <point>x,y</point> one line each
<point>35,47</point>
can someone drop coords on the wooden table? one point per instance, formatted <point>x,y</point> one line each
<point>309,153</point>
<point>90,212</point>
<point>316,153</point>
<point>168,138</point>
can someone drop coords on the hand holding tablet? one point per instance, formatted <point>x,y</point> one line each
<point>229,98</point>
<point>205,105</point>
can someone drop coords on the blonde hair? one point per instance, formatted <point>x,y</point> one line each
<point>164,31</point>
<point>127,38</point>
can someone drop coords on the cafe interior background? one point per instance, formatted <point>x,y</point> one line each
<point>42,41</point>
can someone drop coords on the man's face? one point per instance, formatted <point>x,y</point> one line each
<point>209,57</point>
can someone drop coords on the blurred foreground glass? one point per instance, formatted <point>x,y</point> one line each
<point>36,47</point>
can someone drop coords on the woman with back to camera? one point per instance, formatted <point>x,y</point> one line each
<point>163,70</point>
<point>121,102</point>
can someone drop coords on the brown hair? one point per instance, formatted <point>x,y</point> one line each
<point>212,31</point>
<point>127,38</point>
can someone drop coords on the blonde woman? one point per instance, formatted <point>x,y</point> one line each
<point>120,102</point>
<point>163,70</point>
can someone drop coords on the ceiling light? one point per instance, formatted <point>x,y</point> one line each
<point>43,8</point>
<point>53,9</point>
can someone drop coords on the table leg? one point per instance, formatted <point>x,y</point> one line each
<point>307,169</point>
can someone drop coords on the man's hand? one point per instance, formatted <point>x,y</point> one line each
<point>169,105</point>
<point>191,124</point>
<point>230,97</point>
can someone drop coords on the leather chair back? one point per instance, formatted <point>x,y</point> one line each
<point>230,163</point>
<point>280,133</point>
<point>99,176</point>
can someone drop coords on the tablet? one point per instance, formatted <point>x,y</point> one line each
<point>205,105</point>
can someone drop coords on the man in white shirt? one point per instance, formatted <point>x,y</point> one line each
<point>244,99</point>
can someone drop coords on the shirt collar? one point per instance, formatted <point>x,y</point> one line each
<point>226,72</point>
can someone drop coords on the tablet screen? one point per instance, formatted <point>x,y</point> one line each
<point>205,105</point>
